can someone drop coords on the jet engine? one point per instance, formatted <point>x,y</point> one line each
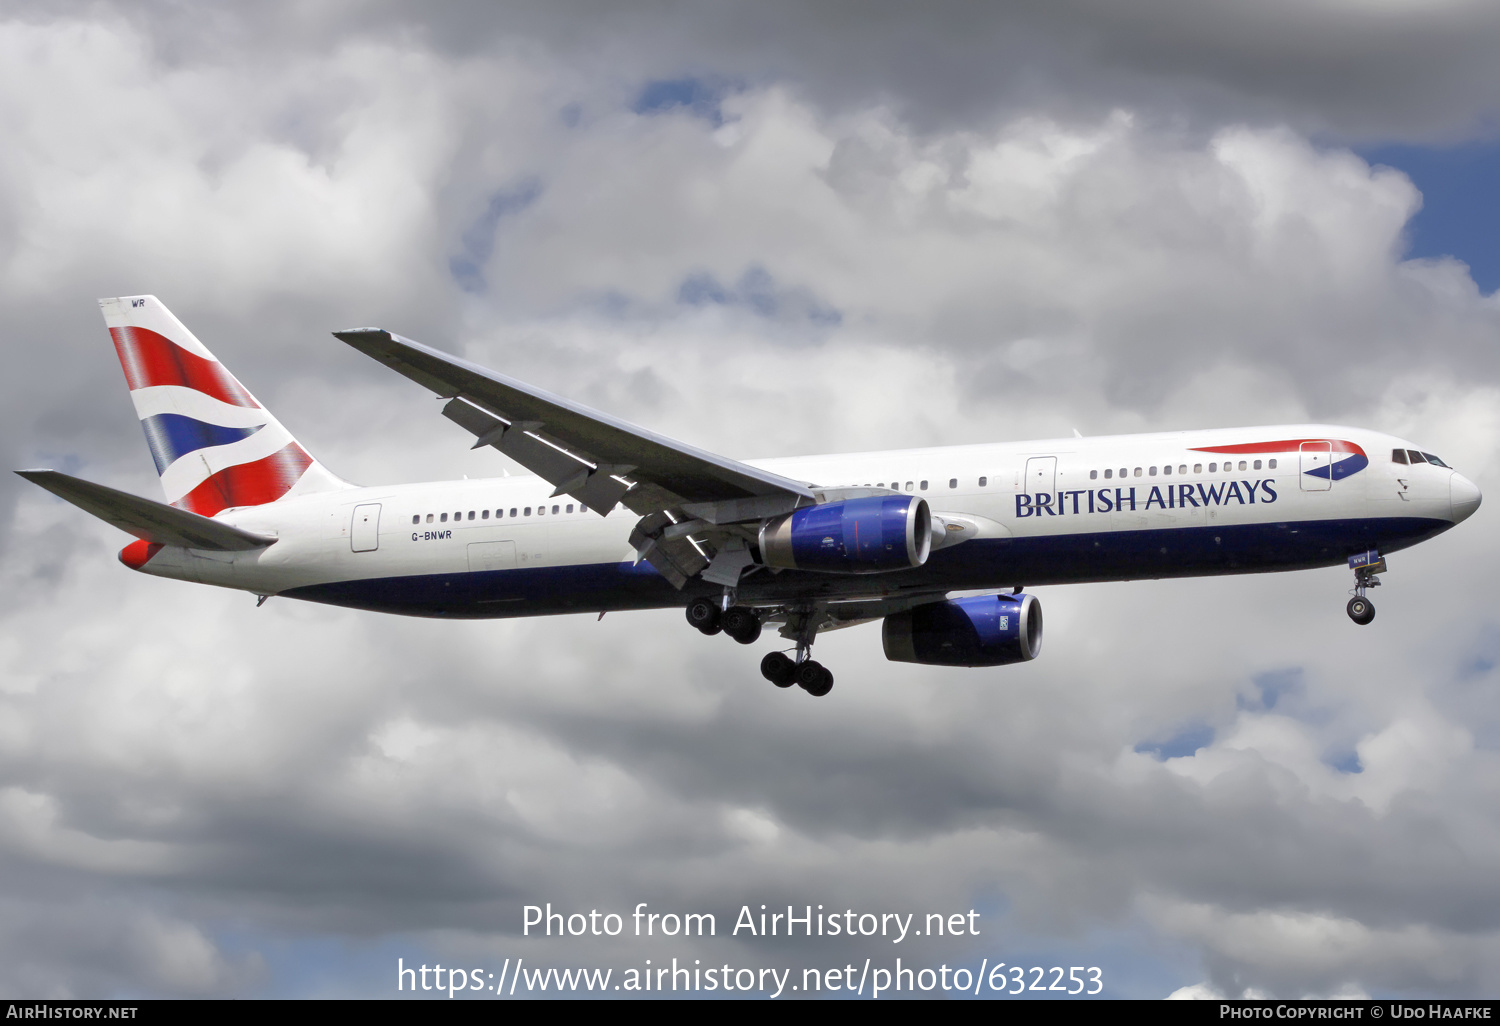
<point>991,630</point>
<point>855,536</point>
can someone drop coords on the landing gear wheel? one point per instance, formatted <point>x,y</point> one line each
<point>741,624</point>
<point>704,615</point>
<point>779,669</point>
<point>814,678</point>
<point>1361,610</point>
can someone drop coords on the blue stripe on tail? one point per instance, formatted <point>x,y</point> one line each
<point>171,436</point>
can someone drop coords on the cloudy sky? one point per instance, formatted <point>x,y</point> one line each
<point>765,229</point>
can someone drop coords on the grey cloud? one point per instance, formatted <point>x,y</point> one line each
<point>1407,70</point>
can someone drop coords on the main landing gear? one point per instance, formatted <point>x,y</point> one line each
<point>743,624</point>
<point>739,622</point>
<point>810,675</point>
<point>804,671</point>
<point>1366,567</point>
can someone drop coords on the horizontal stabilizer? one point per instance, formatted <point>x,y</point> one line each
<point>150,521</point>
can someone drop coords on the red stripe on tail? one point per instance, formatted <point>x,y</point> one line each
<point>249,484</point>
<point>152,359</point>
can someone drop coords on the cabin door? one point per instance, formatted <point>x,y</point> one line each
<point>1317,467</point>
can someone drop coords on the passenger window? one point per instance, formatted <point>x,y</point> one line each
<point>417,519</point>
<point>513,511</point>
<point>924,486</point>
<point>471,514</point>
<point>1093,475</point>
<point>499,513</point>
<point>1398,456</point>
<point>1242,465</point>
<point>570,507</point>
<point>984,482</point>
<point>1152,472</point>
<point>541,511</point>
<point>429,518</point>
<point>443,518</point>
<point>1213,468</point>
<point>1271,465</point>
<point>1197,468</point>
<point>1122,471</point>
<point>1257,464</point>
<point>554,510</point>
<point>1182,469</point>
<point>908,486</point>
<point>953,482</point>
<point>1138,471</point>
<point>528,511</point>
<point>582,508</point>
<point>1167,469</point>
<point>458,516</point>
<point>485,515</point>
<point>1108,474</point>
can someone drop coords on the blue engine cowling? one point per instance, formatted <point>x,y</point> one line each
<point>855,536</point>
<point>991,630</point>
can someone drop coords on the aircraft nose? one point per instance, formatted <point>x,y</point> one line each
<point>1463,496</point>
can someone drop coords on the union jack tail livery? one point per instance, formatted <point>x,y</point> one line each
<point>215,447</point>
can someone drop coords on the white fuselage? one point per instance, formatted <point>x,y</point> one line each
<point>1025,513</point>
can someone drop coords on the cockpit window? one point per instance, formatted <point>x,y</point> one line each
<point>1434,460</point>
<point>1416,457</point>
<point>1398,456</point>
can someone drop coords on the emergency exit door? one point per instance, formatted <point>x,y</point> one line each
<point>364,530</point>
<point>1041,475</point>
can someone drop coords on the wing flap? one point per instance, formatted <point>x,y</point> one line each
<point>150,521</point>
<point>593,484</point>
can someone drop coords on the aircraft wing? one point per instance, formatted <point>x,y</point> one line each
<point>598,459</point>
<point>150,521</point>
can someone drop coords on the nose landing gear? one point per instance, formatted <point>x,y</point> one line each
<point>1366,567</point>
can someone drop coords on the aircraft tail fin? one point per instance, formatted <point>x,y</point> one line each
<point>214,445</point>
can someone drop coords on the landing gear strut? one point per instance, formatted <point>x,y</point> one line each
<point>1366,567</point>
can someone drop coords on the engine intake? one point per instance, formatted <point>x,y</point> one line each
<point>991,630</point>
<point>856,536</point>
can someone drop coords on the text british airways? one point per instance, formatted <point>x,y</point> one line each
<point>1173,496</point>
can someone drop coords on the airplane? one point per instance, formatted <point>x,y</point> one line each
<point>937,543</point>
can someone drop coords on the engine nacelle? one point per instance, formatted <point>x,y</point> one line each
<point>990,630</point>
<point>856,536</point>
